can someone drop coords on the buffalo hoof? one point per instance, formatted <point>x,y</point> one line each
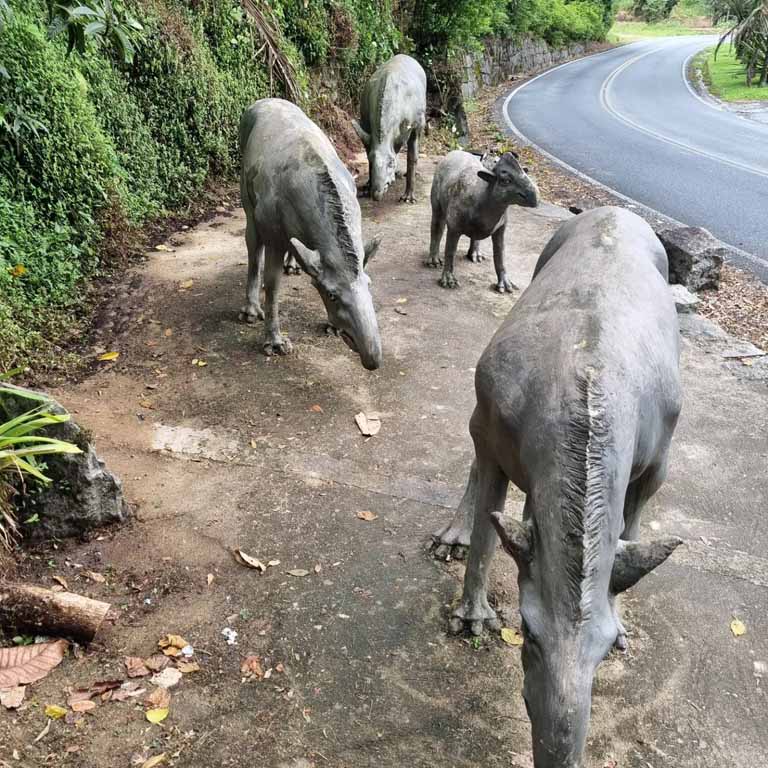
<point>458,624</point>
<point>364,191</point>
<point>292,269</point>
<point>505,286</point>
<point>433,263</point>
<point>278,345</point>
<point>448,280</point>
<point>475,257</point>
<point>331,330</point>
<point>251,313</point>
<point>407,198</point>
<point>448,552</point>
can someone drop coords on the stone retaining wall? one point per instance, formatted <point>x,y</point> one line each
<point>500,59</point>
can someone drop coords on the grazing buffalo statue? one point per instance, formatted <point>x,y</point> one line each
<point>472,200</point>
<point>299,197</point>
<point>393,109</point>
<point>578,394</point>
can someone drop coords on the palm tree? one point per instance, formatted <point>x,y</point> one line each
<point>748,35</point>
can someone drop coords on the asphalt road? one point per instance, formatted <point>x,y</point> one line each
<point>628,119</point>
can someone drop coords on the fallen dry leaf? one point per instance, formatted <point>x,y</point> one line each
<point>107,356</point>
<point>61,581</point>
<point>135,666</point>
<point>368,516</point>
<point>168,332</point>
<point>55,712</point>
<point>155,761</point>
<point>369,424</point>
<point>167,678</point>
<point>185,667</point>
<point>186,284</point>
<point>172,645</point>
<point>738,628</point>
<point>248,560</point>
<point>273,563</point>
<point>12,698</point>
<point>511,636</point>
<point>298,572</point>
<point>24,664</point>
<point>316,409</point>
<point>99,578</point>
<point>83,706</point>
<point>156,716</point>
<point>157,662</point>
<point>209,578</point>
<point>251,668</point>
<point>160,698</point>
<point>128,690</point>
<point>39,736</point>
<point>162,247</point>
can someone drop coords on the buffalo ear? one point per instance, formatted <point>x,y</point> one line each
<point>309,260</point>
<point>487,176</point>
<point>370,249</point>
<point>515,537</point>
<point>365,137</point>
<point>635,559</point>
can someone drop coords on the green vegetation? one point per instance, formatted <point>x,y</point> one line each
<point>21,445</point>
<point>724,76</point>
<point>748,34</point>
<point>638,19</point>
<point>116,112</point>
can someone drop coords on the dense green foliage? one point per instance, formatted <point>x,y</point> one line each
<point>112,113</point>
<point>653,10</point>
<point>748,34</point>
<point>86,138</point>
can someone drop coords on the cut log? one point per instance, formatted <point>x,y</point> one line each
<point>36,610</point>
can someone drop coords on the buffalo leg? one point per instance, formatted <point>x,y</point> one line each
<point>453,539</point>
<point>639,491</point>
<point>473,253</point>
<point>448,279</point>
<point>290,265</point>
<point>503,284</point>
<point>274,341</point>
<point>436,231</point>
<point>474,609</point>
<point>252,310</point>
<point>410,173</point>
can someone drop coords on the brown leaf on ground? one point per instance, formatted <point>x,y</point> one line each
<point>135,666</point>
<point>172,644</point>
<point>12,698</point>
<point>160,698</point>
<point>248,560</point>
<point>186,667</point>
<point>130,689</point>
<point>251,668</point>
<point>167,678</point>
<point>99,578</point>
<point>61,581</point>
<point>97,689</point>
<point>299,572</point>
<point>83,706</point>
<point>28,663</point>
<point>367,516</point>
<point>157,662</point>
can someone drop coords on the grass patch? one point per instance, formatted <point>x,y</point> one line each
<point>725,76</point>
<point>628,31</point>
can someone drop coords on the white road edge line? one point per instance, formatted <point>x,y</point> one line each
<point>607,104</point>
<point>586,177</point>
<point>693,91</point>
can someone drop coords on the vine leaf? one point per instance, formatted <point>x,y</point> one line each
<point>25,664</point>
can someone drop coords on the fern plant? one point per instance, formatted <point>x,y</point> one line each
<point>21,447</point>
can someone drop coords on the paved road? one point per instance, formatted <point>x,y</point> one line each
<point>628,119</point>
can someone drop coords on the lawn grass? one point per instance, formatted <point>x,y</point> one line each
<point>725,77</point>
<point>628,31</point>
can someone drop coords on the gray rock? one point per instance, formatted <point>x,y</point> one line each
<point>695,257</point>
<point>685,301</point>
<point>84,494</point>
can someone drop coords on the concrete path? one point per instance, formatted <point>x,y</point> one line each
<point>264,455</point>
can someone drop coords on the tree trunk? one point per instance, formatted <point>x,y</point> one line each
<point>41,611</point>
<point>764,74</point>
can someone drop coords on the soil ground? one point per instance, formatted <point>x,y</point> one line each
<point>263,454</point>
